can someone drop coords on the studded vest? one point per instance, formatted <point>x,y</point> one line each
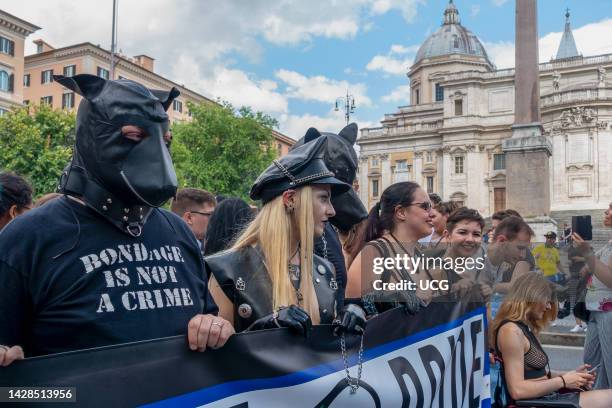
<point>243,277</point>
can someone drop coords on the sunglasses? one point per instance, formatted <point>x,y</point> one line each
<point>425,206</point>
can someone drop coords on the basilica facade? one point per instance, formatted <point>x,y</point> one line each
<point>449,139</point>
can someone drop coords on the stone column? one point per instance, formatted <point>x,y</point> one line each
<point>528,151</point>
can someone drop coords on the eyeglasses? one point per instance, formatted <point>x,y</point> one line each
<point>206,214</point>
<point>425,206</point>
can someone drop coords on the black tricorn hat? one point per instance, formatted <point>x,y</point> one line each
<point>301,166</point>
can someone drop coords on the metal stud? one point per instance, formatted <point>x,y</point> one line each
<point>141,217</point>
<point>324,311</point>
<point>245,311</point>
<point>321,269</point>
<point>125,218</point>
<point>318,280</point>
<point>108,200</point>
<point>104,207</point>
<point>126,210</point>
<point>333,284</point>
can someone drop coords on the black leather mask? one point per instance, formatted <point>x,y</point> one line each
<point>136,175</point>
<point>341,159</point>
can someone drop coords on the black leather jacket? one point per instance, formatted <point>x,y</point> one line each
<point>243,277</point>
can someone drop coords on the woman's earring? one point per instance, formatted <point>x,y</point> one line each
<point>289,209</point>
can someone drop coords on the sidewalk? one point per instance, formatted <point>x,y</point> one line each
<point>560,334</point>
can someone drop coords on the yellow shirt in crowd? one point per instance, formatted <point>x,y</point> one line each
<point>546,259</point>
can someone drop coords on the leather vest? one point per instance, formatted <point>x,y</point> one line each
<point>243,277</point>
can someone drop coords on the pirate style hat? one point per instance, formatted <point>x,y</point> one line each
<point>302,166</point>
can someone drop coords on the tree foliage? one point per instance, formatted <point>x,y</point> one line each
<point>37,142</point>
<point>223,150</point>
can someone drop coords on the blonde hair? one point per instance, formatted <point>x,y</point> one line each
<point>528,290</point>
<point>273,230</point>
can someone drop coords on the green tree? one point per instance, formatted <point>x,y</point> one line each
<point>223,150</point>
<point>36,142</point>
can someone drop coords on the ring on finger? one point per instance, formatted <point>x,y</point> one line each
<point>217,324</point>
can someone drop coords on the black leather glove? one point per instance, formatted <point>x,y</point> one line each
<point>292,317</point>
<point>352,320</point>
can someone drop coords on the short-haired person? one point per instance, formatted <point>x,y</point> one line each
<point>507,256</point>
<point>15,197</point>
<point>271,276</point>
<point>395,224</point>
<point>529,306</point>
<point>195,206</point>
<point>85,270</point>
<point>439,216</point>
<point>465,227</point>
<point>548,259</point>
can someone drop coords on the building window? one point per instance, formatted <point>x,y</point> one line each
<point>26,102</point>
<point>3,111</point>
<point>374,188</point>
<point>429,157</point>
<point>374,162</point>
<point>417,97</point>
<point>455,41</point>
<point>68,100</point>
<point>439,93</point>
<point>7,46</point>
<point>401,165</point>
<point>458,107</point>
<point>279,149</point>
<point>103,73</point>
<point>69,70</point>
<point>430,184</point>
<point>46,76</point>
<point>177,106</point>
<point>499,161</point>
<point>4,81</point>
<point>26,80</point>
<point>46,100</point>
<point>459,165</point>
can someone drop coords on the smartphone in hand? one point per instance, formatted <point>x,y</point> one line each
<point>581,225</point>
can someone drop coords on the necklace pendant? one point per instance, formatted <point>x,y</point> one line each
<point>299,296</point>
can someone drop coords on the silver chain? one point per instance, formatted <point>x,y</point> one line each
<point>353,382</point>
<point>324,245</point>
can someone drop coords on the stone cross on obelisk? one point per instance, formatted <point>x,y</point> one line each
<point>528,150</point>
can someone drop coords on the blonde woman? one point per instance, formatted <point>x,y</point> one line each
<point>271,276</point>
<point>527,308</point>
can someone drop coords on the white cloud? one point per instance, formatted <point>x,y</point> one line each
<point>475,10</point>
<point>399,94</point>
<point>499,2</point>
<point>588,41</point>
<point>232,85</point>
<point>295,126</point>
<point>400,49</point>
<point>391,63</point>
<point>320,88</point>
<point>408,8</point>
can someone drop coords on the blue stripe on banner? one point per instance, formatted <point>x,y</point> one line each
<point>221,391</point>
<point>486,403</point>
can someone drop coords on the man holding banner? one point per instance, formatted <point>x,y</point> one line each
<point>104,265</point>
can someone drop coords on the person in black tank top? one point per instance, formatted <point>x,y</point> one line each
<point>527,308</point>
<point>395,224</point>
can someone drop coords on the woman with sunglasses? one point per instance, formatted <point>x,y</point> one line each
<point>529,306</point>
<point>395,224</point>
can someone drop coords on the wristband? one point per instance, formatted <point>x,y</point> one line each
<point>563,379</point>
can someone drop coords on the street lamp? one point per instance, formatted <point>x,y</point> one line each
<point>349,105</point>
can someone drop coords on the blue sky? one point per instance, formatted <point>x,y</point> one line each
<point>292,58</point>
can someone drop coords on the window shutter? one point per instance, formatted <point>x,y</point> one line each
<point>11,84</point>
<point>12,48</point>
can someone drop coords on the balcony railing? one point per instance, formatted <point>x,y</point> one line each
<point>369,133</point>
<point>577,96</point>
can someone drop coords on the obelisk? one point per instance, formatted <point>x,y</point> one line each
<point>528,150</point>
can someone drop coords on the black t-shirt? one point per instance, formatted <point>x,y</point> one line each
<point>68,285</point>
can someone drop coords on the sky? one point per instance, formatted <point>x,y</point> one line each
<point>293,58</point>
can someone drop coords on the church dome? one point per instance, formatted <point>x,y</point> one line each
<point>452,38</point>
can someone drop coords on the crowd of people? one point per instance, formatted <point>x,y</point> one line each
<point>100,262</point>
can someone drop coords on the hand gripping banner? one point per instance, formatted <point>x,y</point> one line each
<point>437,358</point>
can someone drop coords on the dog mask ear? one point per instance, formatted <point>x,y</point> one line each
<point>88,86</point>
<point>349,133</point>
<point>311,134</point>
<point>166,97</point>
